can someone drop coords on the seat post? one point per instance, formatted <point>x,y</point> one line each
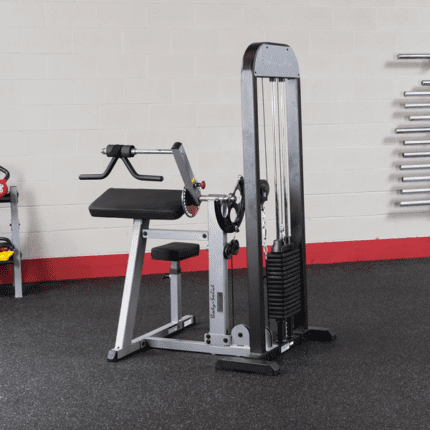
<point>175,291</point>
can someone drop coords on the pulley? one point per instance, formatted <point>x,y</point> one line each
<point>232,248</point>
<point>230,212</point>
<point>3,182</point>
<point>264,191</point>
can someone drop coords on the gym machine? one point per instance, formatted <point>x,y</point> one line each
<point>414,130</point>
<point>10,251</point>
<point>253,347</point>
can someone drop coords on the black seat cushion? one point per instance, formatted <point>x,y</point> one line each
<point>175,251</point>
<point>138,204</point>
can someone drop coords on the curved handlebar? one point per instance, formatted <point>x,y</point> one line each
<point>122,152</point>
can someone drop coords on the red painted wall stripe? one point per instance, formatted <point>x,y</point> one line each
<point>57,269</point>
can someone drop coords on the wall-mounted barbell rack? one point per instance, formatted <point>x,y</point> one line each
<point>413,130</point>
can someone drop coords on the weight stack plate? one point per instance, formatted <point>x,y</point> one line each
<point>284,282</point>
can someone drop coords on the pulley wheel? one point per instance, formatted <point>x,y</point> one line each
<point>229,214</point>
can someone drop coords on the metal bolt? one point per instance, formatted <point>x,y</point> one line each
<point>225,340</point>
<point>208,342</point>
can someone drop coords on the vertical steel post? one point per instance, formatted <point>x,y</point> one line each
<point>218,280</point>
<point>17,276</point>
<point>297,201</point>
<point>251,163</point>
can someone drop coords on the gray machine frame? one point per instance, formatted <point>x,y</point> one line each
<point>250,348</point>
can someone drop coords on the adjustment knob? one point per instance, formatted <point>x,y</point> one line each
<point>202,185</point>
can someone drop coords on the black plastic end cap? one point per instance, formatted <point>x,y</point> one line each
<point>176,145</point>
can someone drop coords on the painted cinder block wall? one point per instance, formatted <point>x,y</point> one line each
<point>76,76</point>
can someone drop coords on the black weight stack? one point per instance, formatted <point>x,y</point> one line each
<point>284,282</point>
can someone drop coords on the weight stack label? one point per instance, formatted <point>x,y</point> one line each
<point>284,282</point>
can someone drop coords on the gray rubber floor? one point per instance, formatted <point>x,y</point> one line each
<point>376,375</point>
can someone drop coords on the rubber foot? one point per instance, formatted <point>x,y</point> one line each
<point>319,334</point>
<point>263,367</point>
<point>112,356</point>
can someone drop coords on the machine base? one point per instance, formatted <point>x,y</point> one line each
<point>264,366</point>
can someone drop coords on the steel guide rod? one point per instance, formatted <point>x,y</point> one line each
<point>146,151</point>
<point>425,83</point>
<point>281,163</point>
<point>275,163</point>
<point>285,161</point>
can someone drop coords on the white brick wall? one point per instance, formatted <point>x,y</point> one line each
<point>76,76</point>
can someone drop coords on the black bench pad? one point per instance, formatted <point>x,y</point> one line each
<point>138,204</point>
<point>175,251</point>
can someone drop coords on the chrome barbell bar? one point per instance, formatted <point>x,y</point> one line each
<point>414,166</point>
<point>416,142</point>
<point>417,105</point>
<point>413,130</point>
<point>415,191</point>
<point>413,56</point>
<point>416,179</point>
<point>419,118</point>
<point>416,93</point>
<point>416,154</point>
<point>415,203</point>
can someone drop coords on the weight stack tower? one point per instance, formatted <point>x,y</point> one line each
<point>276,66</point>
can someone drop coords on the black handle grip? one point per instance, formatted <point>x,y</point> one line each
<point>141,177</point>
<point>103,175</point>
